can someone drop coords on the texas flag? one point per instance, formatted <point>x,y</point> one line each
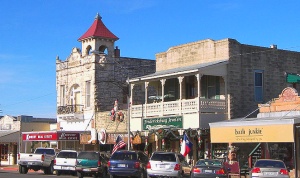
<point>186,145</point>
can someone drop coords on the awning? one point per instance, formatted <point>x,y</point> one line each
<point>271,129</point>
<point>9,136</point>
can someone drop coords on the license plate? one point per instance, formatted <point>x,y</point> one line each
<point>208,171</point>
<point>270,173</point>
<point>65,168</point>
<point>161,166</point>
<point>87,170</point>
<point>121,165</point>
<point>30,163</point>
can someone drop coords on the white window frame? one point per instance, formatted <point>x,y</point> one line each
<point>88,94</point>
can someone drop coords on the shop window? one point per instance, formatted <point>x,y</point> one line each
<point>4,152</point>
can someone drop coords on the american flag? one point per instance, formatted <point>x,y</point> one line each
<point>119,144</point>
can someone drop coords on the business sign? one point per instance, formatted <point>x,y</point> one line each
<point>162,122</point>
<point>39,136</point>
<point>67,136</point>
<point>247,134</point>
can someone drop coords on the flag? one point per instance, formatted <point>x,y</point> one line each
<point>119,144</point>
<point>186,145</point>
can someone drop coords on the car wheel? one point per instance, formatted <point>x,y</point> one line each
<point>79,174</point>
<point>24,170</point>
<point>20,169</point>
<point>111,176</point>
<point>95,175</point>
<point>58,173</point>
<point>50,169</point>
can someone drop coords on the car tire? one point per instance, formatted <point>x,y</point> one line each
<point>58,173</point>
<point>23,170</point>
<point>79,174</point>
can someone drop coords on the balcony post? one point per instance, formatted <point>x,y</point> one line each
<point>180,79</point>
<point>163,81</point>
<point>198,76</point>
<point>146,98</point>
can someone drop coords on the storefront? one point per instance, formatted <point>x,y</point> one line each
<point>8,147</point>
<point>255,138</point>
<point>54,139</point>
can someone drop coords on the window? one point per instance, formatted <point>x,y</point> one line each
<point>62,95</point>
<point>88,93</point>
<point>210,87</point>
<point>258,85</point>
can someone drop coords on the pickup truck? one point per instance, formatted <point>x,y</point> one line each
<point>65,162</point>
<point>41,159</point>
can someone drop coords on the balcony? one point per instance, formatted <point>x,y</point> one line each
<point>70,112</point>
<point>179,107</point>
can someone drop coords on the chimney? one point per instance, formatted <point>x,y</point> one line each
<point>274,46</point>
<point>117,52</point>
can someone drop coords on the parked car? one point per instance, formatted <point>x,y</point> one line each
<point>269,168</point>
<point>128,163</point>
<point>65,162</point>
<point>41,159</point>
<point>209,168</point>
<point>167,164</point>
<point>90,163</point>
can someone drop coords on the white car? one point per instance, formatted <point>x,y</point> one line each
<point>65,162</point>
<point>269,168</point>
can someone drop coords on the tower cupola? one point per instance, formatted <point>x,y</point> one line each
<point>98,39</point>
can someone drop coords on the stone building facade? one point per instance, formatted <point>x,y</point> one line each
<point>91,80</point>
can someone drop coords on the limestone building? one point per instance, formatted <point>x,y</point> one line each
<point>90,82</point>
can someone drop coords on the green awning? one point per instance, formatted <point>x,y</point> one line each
<point>292,78</point>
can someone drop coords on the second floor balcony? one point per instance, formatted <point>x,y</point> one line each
<point>179,107</point>
<point>70,112</point>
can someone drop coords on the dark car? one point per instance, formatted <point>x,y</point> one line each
<point>90,163</point>
<point>128,163</point>
<point>209,168</point>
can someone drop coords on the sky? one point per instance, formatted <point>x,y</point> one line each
<point>34,32</point>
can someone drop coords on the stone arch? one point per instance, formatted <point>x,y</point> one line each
<point>103,49</point>
<point>88,49</point>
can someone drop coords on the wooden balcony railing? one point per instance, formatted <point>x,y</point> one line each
<point>70,109</point>
<point>178,107</point>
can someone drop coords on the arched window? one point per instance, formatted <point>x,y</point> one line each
<point>88,50</point>
<point>103,49</point>
<point>75,97</point>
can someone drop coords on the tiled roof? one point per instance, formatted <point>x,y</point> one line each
<point>98,29</point>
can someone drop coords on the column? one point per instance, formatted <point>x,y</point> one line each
<point>163,81</point>
<point>146,99</point>
<point>180,80</point>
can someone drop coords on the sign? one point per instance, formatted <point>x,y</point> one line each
<point>39,136</point>
<point>258,133</point>
<point>67,136</point>
<point>102,136</point>
<point>162,122</point>
<point>111,138</point>
<point>84,138</point>
<point>137,140</point>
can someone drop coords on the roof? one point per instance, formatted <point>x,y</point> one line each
<point>9,136</point>
<point>98,29</point>
<point>181,70</point>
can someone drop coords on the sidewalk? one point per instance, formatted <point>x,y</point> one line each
<point>9,167</point>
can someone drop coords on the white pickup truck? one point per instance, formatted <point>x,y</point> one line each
<point>65,162</point>
<point>41,159</point>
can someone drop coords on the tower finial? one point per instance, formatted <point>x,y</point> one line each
<point>98,16</point>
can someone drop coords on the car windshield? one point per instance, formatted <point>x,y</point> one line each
<point>269,163</point>
<point>88,155</point>
<point>209,163</point>
<point>67,155</point>
<point>163,157</point>
<point>124,156</point>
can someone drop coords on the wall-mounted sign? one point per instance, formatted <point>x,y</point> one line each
<point>162,122</point>
<point>67,136</point>
<point>261,133</point>
<point>39,136</point>
<point>84,138</point>
<point>137,140</point>
<point>102,136</point>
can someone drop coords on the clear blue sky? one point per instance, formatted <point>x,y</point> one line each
<point>33,33</point>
